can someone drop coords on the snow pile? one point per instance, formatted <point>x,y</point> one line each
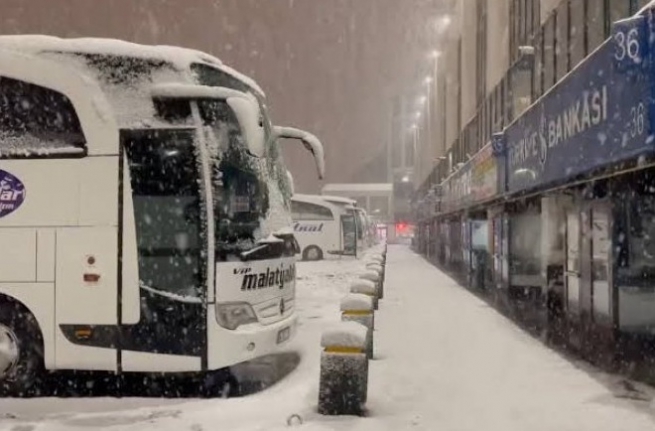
<point>370,275</point>
<point>374,266</point>
<point>374,258</point>
<point>345,334</point>
<point>193,91</point>
<point>365,287</point>
<point>356,301</point>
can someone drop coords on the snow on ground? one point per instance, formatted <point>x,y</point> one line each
<point>444,361</point>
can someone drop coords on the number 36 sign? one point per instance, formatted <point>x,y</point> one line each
<point>630,39</point>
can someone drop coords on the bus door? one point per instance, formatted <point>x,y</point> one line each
<point>163,296</point>
<point>349,234</point>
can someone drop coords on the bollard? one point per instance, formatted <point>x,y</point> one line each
<point>374,266</point>
<point>343,385</point>
<point>376,258</point>
<point>357,307</point>
<point>376,278</point>
<point>366,287</point>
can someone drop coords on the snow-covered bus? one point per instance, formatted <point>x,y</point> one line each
<point>322,228</point>
<point>142,225</point>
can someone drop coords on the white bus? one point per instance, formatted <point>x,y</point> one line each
<point>136,215</point>
<point>322,228</point>
<point>349,206</point>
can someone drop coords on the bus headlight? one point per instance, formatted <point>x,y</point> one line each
<point>231,315</point>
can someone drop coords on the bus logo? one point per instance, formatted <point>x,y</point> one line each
<point>308,227</point>
<point>12,193</point>
<point>271,277</point>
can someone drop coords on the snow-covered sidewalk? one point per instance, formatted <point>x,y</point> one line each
<point>447,361</point>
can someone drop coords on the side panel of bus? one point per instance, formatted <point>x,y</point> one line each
<point>324,234</point>
<point>86,256</point>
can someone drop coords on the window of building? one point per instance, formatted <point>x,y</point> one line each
<point>538,75</point>
<point>562,40</point>
<point>595,12</point>
<point>617,11</point>
<point>549,53</point>
<point>577,27</point>
<point>481,52</point>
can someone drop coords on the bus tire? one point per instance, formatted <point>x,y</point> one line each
<point>312,252</point>
<point>19,374</point>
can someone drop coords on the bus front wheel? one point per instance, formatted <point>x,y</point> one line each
<point>20,350</point>
<point>312,253</point>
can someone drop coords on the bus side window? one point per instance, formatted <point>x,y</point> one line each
<point>37,122</point>
<point>308,211</point>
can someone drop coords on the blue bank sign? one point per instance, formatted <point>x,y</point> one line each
<point>596,116</point>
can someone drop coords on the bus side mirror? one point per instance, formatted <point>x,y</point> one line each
<point>310,142</point>
<point>291,184</point>
<point>249,118</point>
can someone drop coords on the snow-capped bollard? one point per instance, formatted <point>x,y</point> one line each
<point>374,266</point>
<point>357,307</point>
<point>366,287</point>
<point>376,278</point>
<point>343,385</point>
<point>376,258</point>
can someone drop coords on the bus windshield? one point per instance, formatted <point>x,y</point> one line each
<point>205,74</point>
<point>240,193</point>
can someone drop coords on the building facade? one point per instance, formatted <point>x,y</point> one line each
<point>497,58</point>
<point>544,195</point>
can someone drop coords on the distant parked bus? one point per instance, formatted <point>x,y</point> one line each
<point>323,228</point>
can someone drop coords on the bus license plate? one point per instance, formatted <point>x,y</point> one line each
<point>283,335</point>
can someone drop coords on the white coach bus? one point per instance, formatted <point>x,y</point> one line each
<point>321,227</point>
<point>136,215</point>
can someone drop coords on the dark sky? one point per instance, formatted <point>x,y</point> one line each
<point>327,66</point>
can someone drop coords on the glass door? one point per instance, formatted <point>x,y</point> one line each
<point>601,279</point>
<point>572,270</point>
<point>349,233</point>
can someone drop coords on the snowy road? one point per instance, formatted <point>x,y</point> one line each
<point>445,361</point>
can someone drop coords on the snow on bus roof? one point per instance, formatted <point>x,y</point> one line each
<point>177,90</point>
<point>179,57</point>
<point>358,187</point>
<point>339,199</point>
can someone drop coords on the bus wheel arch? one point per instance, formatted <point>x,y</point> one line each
<point>312,252</point>
<point>24,369</point>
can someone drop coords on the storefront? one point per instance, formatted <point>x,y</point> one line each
<point>572,205</point>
